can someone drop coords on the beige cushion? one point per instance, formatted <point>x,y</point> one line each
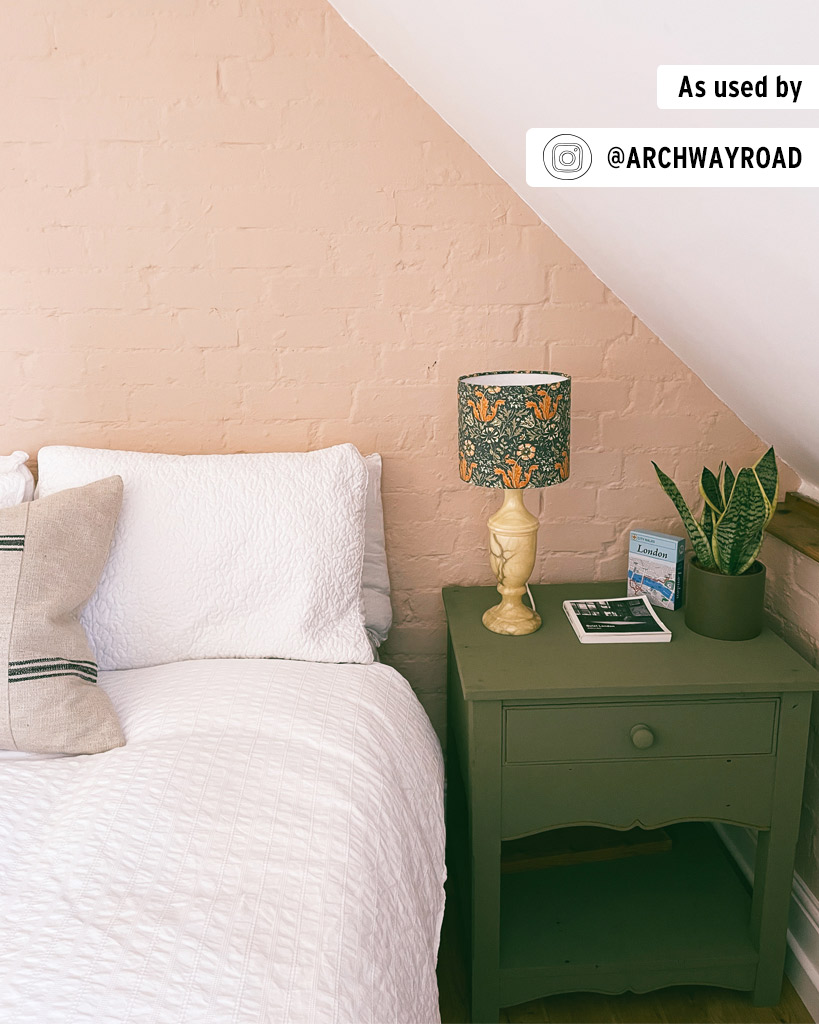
<point>52,552</point>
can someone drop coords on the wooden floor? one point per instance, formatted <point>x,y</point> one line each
<point>683,1005</point>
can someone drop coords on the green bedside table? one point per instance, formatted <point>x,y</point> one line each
<point>542,735</point>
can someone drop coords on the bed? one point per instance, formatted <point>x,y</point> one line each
<point>267,846</point>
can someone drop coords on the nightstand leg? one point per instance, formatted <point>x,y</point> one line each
<point>485,934</point>
<point>773,870</point>
<point>773,879</point>
<point>485,817</point>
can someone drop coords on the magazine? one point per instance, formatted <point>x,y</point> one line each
<point>618,620</point>
<point>655,567</point>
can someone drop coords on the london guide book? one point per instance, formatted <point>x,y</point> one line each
<point>618,620</point>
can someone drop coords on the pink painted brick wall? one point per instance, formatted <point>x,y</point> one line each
<point>229,226</point>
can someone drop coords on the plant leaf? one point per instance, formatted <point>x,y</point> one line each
<point>768,476</point>
<point>739,533</point>
<point>727,484</point>
<point>702,549</point>
<point>709,489</point>
<point>707,520</point>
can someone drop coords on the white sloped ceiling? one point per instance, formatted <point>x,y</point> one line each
<point>728,278</point>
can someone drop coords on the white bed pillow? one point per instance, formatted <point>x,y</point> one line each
<point>17,485</point>
<point>375,583</point>
<point>221,556</point>
<point>16,481</point>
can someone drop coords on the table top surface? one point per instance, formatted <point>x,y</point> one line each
<point>553,664</point>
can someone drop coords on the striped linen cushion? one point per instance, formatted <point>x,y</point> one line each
<point>52,552</point>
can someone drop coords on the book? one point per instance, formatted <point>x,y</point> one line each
<point>655,567</point>
<point>618,620</point>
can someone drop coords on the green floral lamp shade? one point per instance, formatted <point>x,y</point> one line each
<point>513,428</point>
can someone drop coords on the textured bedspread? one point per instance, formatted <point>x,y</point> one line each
<point>267,847</point>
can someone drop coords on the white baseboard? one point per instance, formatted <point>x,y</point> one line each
<point>802,960</point>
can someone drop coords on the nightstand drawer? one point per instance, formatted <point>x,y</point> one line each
<point>542,734</point>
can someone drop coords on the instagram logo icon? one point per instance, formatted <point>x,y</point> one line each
<point>567,157</point>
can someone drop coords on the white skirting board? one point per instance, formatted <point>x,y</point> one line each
<point>802,960</point>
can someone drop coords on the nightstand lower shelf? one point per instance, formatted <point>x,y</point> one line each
<point>681,917</point>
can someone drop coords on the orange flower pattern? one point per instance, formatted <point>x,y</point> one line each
<point>514,435</point>
<point>466,469</point>
<point>517,476</point>
<point>481,407</point>
<point>546,408</point>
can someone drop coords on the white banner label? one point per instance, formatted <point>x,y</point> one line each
<point>738,86</point>
<point>684,157</point>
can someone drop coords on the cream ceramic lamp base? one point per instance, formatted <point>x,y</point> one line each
<point>512,547</point>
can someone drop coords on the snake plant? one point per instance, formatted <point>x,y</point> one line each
<point>729,533</point>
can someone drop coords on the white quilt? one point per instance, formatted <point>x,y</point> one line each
<point>268,847</point>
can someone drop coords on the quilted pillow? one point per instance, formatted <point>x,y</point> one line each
<point>226,556</point>
<point>375,583</point>
<point>51,555</point>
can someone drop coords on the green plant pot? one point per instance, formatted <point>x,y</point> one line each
<point>725,607</point>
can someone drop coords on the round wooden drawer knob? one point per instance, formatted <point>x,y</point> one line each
<point>641,736</point>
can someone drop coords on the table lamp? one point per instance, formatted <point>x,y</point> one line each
<point>513,432</point>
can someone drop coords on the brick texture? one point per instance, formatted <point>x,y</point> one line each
<point>230,226</point>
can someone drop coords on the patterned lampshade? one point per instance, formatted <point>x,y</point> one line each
<point>513,428</point>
